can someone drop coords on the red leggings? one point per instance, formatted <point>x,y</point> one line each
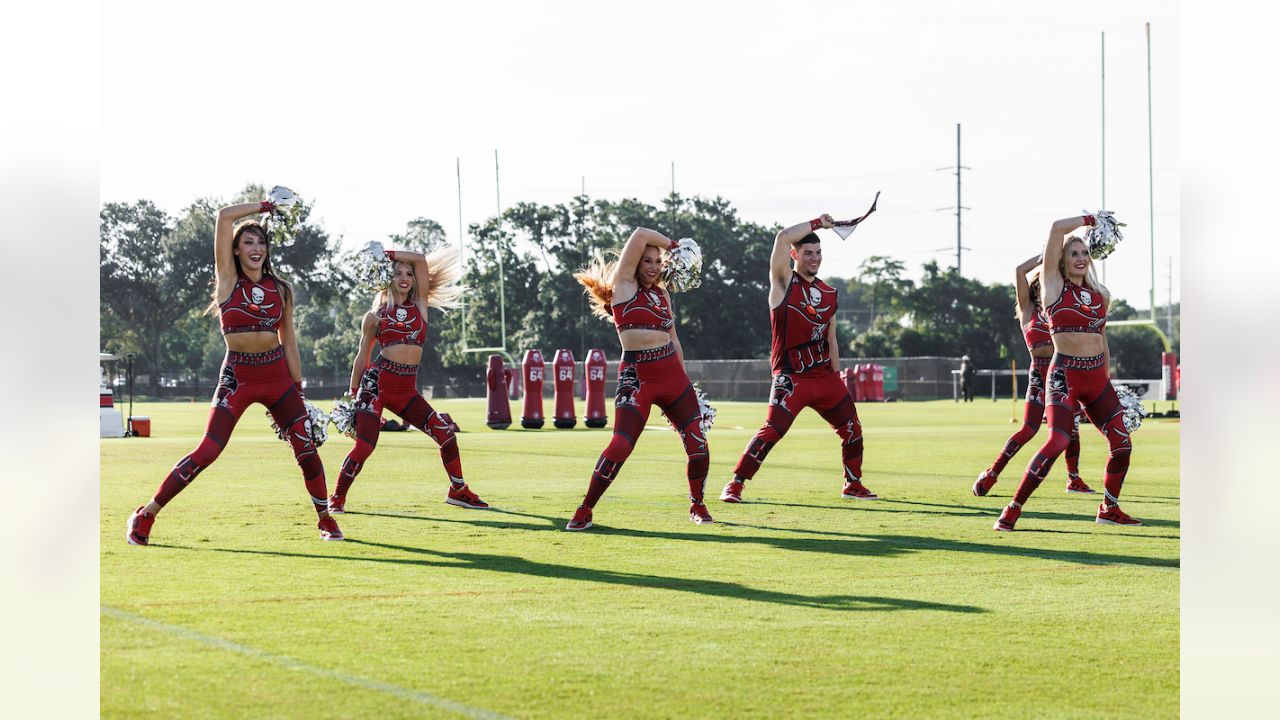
<point>1076,381</point>
<point>647,378</point>
<point>826,393</point>
<point>249,378</point>
<point>392,386</point>
<point>1033,413</point>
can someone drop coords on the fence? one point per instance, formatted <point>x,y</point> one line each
<point>914,378</point>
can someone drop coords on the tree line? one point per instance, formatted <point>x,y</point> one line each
<point>156,281</point>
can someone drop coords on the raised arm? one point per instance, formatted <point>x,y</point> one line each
<point>780,258</point>
<point>1025,304</point>
<point>224,265</point>
<point>367,331</point>
<point>633,250</point>
<point>1050,277</point>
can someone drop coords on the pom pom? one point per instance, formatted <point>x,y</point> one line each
<point>286,215</point>
<point>315,425</point>
<point>343,416</point>
<point>1133,410</point>
<point>682,270</point>
<point>1103,237</point>
<point>704,407</point>
<point>371,267</point>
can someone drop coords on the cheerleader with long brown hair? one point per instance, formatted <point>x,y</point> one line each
<point>630,294</point>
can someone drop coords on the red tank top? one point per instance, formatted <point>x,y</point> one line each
<point>800,325</point>
<point>252,307</point>
<point>1077,309</point>
<point>401,325</point>
<point>1036,332</point>
<point>648,310</point>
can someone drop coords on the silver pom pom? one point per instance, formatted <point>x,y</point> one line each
<point>343,416</point>
<point>286,218</point>
<point>704,407</point>
<point>682,270</point>
<point>315,425</point>
<point>371,267</point>
<point>1133,410</point>
<point>1103,237</point>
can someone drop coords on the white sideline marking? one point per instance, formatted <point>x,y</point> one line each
<point>287,662</point>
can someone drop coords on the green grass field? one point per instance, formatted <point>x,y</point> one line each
<point>797,604</point>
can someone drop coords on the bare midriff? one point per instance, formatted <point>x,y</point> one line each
<point>252,342</point>
<point>1078,344</point>
<point>643,339</point>
<point>405,354</point>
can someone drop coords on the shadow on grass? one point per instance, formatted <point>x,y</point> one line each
<point>885,506</point>
<point>836,543</point>
<point>701,586</point>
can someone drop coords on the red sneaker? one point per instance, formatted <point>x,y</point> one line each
<point>983,485</point>
<point>699,515</point>
<point>854,490</point>
<point>337,504</point>
<point>463,497</point>
<point>581,519</point>
<point>1077,486</point>
<point>329,529</point>
<point>732,492</point>
<point>1008,517</point>
<point>139,528</point>
<point>1113,515</point>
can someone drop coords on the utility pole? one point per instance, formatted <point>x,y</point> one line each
<point>1151,203</point>
<point>1104,137</point>
<point>959,207</point>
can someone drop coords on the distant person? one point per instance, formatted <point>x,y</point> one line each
<point>805,360</point>
<point>1035,330</point>
<point>397,320</point>
<point>967,375</point>
<point>255,311</point>
<point>630,294</point>
<point>1076,305</point>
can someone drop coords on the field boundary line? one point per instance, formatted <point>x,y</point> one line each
<point>287,662</point>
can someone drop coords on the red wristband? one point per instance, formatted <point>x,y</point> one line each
<point>674,244</point>
<point>298,384</point>
<point>266,206</point>
<point>1091,221</point>
<point>815,223</point>
<point>391,255</point>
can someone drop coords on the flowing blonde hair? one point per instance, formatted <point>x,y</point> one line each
<point>444,286</point>
<point>1090,278</point>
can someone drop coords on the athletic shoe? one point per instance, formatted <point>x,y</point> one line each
<point>463,497</point>
<point>581,519</point>
<point>139,526</point>
<point>699,515</point>
<point>854,490</point>
<point>733,491</point>
<point>1008,517</point>
<point>337,504</point>
<point>984,483</point>
<point>329,529</point>
<point>1113,515</point>
<point>1078,486</point>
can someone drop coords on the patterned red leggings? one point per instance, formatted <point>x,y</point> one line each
<point>391,385</point>
<point>248,378</point>
<point>1033,413</point>
<point>647,378</point>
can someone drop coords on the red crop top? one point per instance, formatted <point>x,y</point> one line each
<point>648,310</point>
<point>1036,332</point>
<point>252,307</point>
<point>1078,309</point>
<point>401,325</point>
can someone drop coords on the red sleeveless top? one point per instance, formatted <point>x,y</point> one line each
<point>252,307</point>
<point>1036,332</point>
<point>401,325</point>
<point>648,310</point>
<point>800,325</point>
<point>1077,309</point>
